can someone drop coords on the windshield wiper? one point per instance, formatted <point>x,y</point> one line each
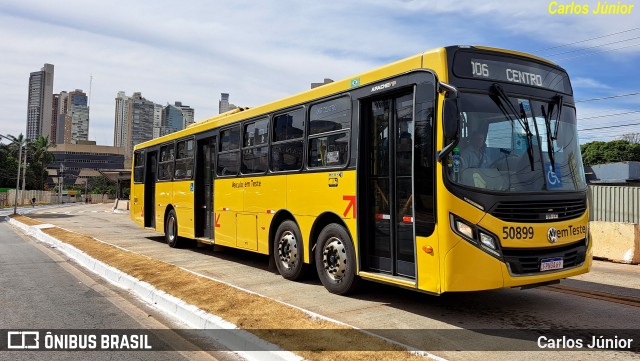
<point>558,103</point>
<point>503,102</point>
<point>550,138</point>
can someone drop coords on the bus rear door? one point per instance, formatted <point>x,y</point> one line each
<point>150,189</point>
<point>204,188</point>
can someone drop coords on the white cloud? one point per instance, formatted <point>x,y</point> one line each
<point>257,51</point>
<point>579,82</point>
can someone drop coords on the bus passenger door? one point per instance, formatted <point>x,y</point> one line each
<point>387,156</point>
<point>204,188</point>
<point>150,189</point>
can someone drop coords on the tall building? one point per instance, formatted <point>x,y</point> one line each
<point>72,122</point>
<point>157,120</point>
<point>40,102</point>
<point>60,108</point>
<point>121,126</point>
<point>172,119</point>
<point>141,125</point>
<point>134,122</point>
<point>224,105</point>
<point>53,139</point>
<point>78,109</point>
<point>188,114</point>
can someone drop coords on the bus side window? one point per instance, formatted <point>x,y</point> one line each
<point>165,165</point>
<point>138,167</point>
<point>288,132</point>
<point>229,154</point>
<point>184,160</point>
<point>329,125</point>
<point>255,152</point>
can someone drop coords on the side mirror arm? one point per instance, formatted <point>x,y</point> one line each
<point>451,110</point>
<point>447,88</point>
<point>446,150</point>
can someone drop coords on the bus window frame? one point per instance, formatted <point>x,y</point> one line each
<point>142,154</point>
<point>303,138</point>
<point>176,159</point>
<point>347,131</point>
<point>171,143</point>
<point>267,144</point>
<point>238,150</point>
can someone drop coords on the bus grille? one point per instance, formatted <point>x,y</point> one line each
<point>527,261</point>
<point>540,211</point>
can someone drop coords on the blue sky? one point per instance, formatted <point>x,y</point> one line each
<point>259,51</point>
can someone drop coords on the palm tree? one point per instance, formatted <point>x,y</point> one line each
<point>17,142</point>
<point>41,156</point>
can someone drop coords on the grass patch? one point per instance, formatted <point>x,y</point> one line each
<point>26,220</point>
<point>268,319</point>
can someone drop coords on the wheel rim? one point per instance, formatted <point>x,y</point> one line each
<point>334,257</point>
<point>171,229</point>
<point>288,250</point>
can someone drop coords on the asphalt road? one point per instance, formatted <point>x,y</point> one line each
<point>606,299</point>
<point>42,290</point>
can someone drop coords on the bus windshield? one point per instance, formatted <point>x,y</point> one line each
<point>516,144</point>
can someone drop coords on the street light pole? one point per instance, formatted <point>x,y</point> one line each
<point>24,173</point>
<point>15,200</point>
<point>61,183</point>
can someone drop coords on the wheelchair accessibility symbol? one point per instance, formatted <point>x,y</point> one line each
<point>553,181</point>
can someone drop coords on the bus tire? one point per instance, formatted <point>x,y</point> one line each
<point>171,230</point>
<point>288,251</point>
<point>335,259</point>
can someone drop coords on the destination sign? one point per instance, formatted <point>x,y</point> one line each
<point>480,66</point>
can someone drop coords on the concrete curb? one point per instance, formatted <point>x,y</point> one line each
<point>189,314</point>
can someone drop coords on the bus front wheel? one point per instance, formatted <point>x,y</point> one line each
<point>336,260</point>
<point>288,251</point>
<point>171,229</point>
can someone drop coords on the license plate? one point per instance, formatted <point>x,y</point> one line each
<point>551,264</point>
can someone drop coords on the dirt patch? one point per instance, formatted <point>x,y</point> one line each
<point>26,220</point>
<point>272,321</point>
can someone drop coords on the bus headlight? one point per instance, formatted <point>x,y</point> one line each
<point>487,241</point>
<point>464,229</point>
<point>479,237</point>
<point>489,244</point>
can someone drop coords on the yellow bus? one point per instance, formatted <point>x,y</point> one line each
<point>457,169</point>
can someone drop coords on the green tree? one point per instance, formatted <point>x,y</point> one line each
<point>35,153</point>
<point>8,167</point>
<point>12,156</point>
<point>100,185</point>
<point>41,157</point>
<point>608,152</point>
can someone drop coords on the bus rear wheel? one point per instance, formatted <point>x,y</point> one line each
<point>288,251</point>
<point>171,230</point>
<point>336,260</point>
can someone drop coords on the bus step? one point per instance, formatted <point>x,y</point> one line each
<point>205,240</point>
<point>387,278</point>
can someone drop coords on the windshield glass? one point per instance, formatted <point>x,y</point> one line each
<point>516,147</point>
